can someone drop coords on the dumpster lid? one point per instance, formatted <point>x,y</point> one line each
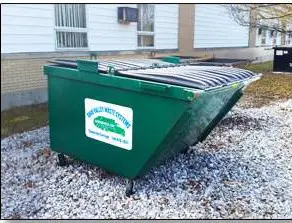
<point>122,64</point>
<point>282,47</point>
<point>198,77</point>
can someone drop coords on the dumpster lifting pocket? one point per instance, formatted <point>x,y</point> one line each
<point>153,87</point>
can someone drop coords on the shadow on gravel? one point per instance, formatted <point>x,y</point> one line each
<point>241,122</point>
<point>200,171</point>
<point>85,168</point>
<point>195,172</point>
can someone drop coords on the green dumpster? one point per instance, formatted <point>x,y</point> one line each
<point>127,116</point>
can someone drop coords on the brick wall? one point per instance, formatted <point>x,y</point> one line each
<point>24,74</point>
<point>21,74</point>
<point>18,74</point>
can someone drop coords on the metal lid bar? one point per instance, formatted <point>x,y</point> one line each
<point>170,80</point>
<point>185,76</point>
<point>216,78</point>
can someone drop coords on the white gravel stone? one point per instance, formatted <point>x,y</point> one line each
<point>242,170</point>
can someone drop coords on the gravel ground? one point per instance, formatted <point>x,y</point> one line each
<point>242,170</point>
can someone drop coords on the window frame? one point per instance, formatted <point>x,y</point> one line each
<point>288,38</point>
<point>274,37</point>
<point>146,33</point>
<point>70,29</point>
<point>261,37</point>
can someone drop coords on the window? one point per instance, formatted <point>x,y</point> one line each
<point>145,26</point>
<point>274,35</point>
<point>289,38</point>
<point>263,37</point>
<point>70,26</point>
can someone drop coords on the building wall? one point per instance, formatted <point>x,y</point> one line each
<point>28,42</point>
<point>21,74</point>
<point>105,33</point>
<point>166,26</point>
<point>215,28</point>
<point>279,37</point>
<point>255,54</point>
<point>30,28</point>
<point>258,38</point>
<point>23,81</point>
<point>27,28</point>
<point>269,39</point>
<point>186,28</point>
<point>288,39</point>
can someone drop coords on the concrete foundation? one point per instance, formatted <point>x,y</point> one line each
<point>257,54</point>
<point>22,98</point>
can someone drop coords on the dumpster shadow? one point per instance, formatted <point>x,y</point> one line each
<point>195,172</point>
<point>86,168</point>
<point>241,122</point>
<point>192,172</point>
<point>197,175</point>
<point>205,165</point>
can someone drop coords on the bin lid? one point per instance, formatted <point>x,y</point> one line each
<point>282,47</point>
<point>123,64</point>
<point>199,77</point>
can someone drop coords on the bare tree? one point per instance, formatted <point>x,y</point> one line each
<point>268,16</point>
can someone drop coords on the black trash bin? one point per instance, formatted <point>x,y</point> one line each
<point>282,59</point>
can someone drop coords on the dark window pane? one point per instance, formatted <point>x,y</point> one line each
<point>145,41</point>
<point>71,40</point>
<point>70,15</point>
<point>146,17</point>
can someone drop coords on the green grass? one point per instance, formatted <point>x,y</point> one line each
<point>261,67</point>
<point>17,120</point>
<point>269,88</point>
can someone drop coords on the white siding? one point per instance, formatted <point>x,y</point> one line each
<point>31,28</point>
<point>104,31</point>
<point>27,28</point>
<point>215,28</point>
<point>268,38</point>
<point>166,26</point>
<point>288,40</point>
<point>279,38</point>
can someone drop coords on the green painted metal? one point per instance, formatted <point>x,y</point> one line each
<point>171,59</point>
<point>224,110</point>
<point>166,119</point>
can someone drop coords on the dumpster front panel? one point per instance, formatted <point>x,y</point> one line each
<point>151,122</point>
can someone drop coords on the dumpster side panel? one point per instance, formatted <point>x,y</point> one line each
<point>153,118</point>
<point>196,123</point>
